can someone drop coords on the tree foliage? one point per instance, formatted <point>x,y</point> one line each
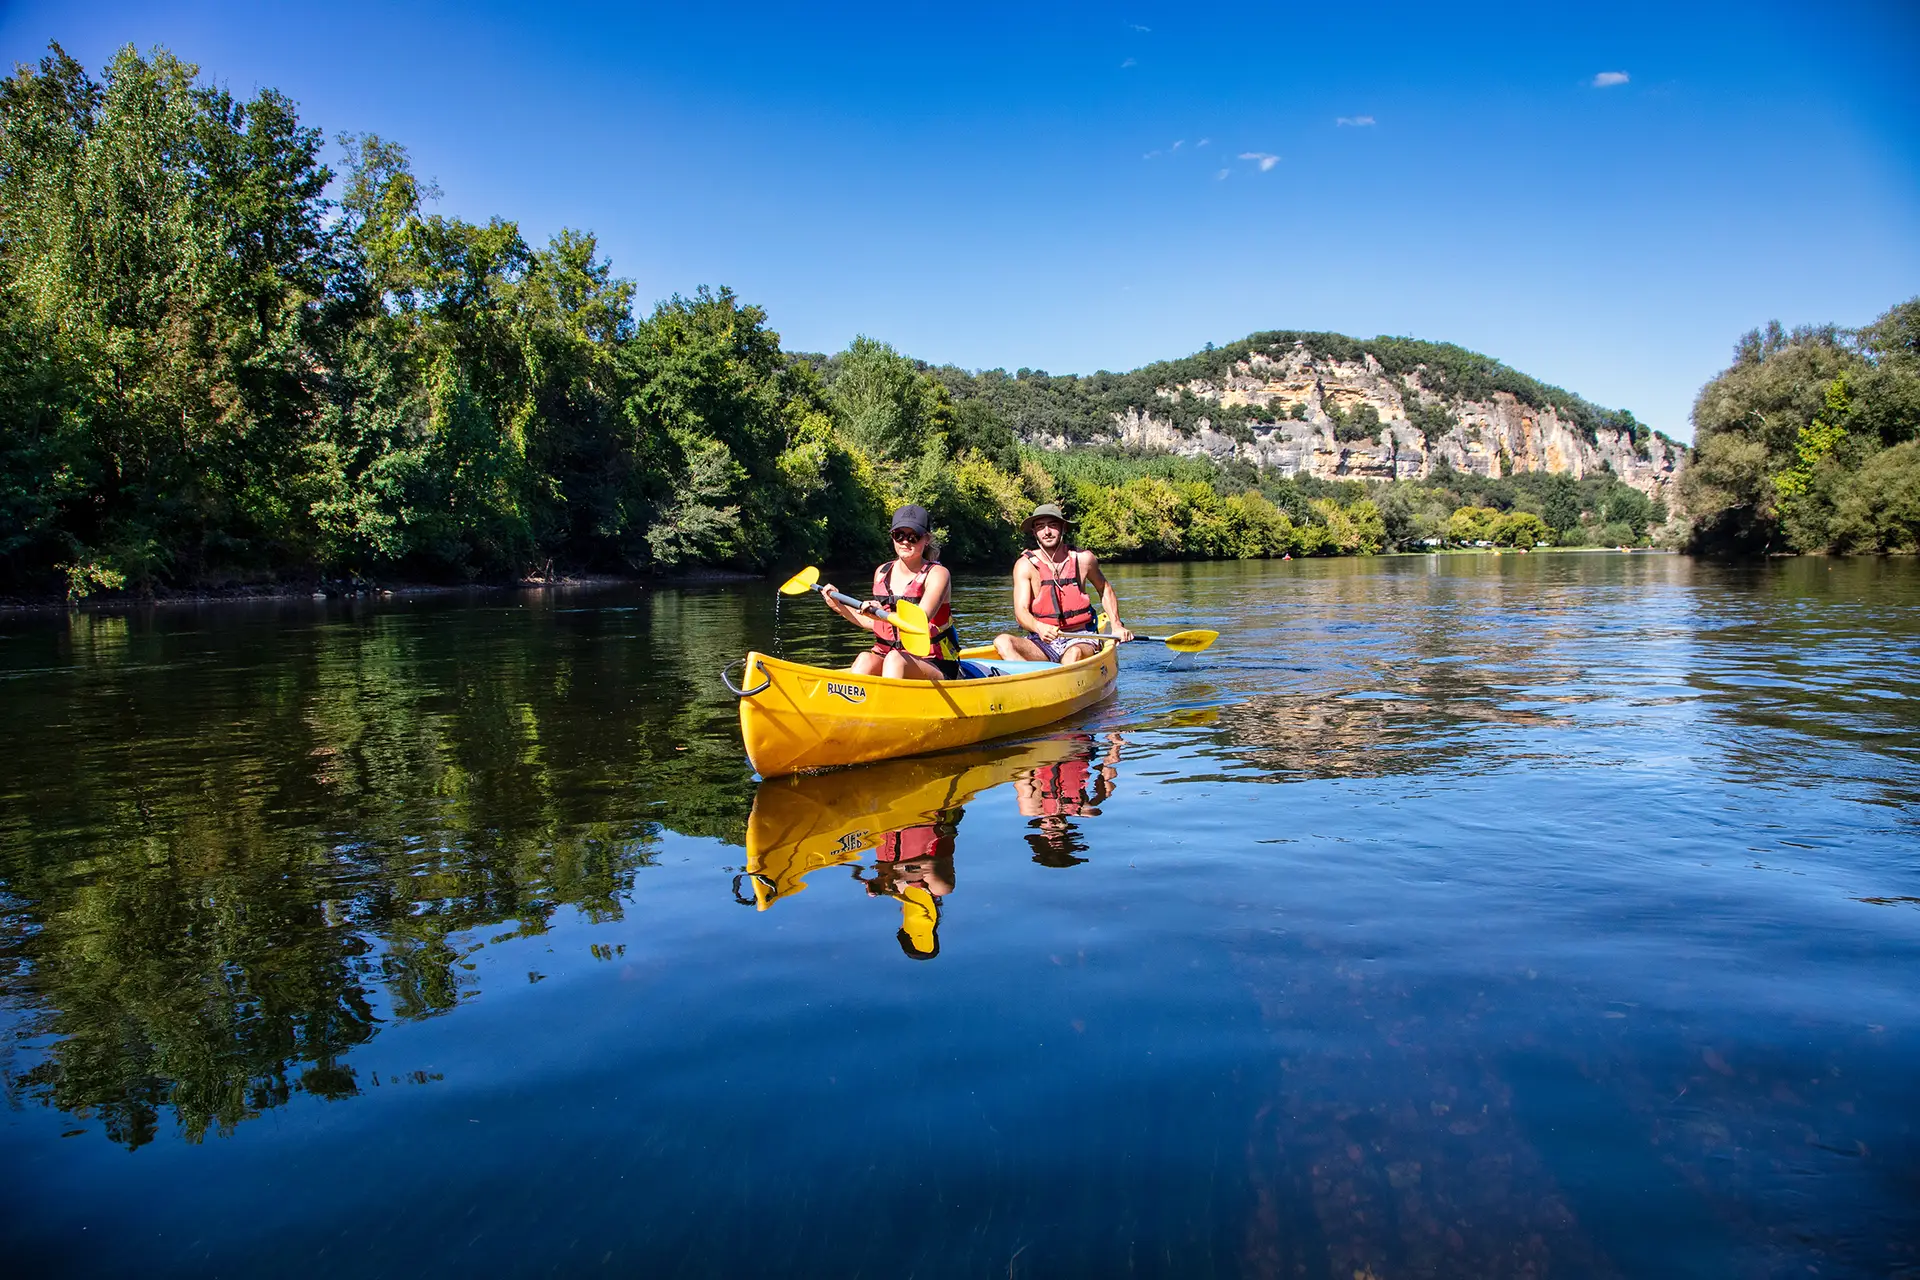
<point>222,360</point>
<point>1799,443</point>
<point>225,358</point>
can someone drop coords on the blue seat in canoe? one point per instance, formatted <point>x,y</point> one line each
<point>973,669</point>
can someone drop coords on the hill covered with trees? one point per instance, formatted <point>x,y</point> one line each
<point>1328,406</point>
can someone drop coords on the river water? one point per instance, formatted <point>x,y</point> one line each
<point>1476,916</point>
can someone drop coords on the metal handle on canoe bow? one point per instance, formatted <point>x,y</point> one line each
<point>736,690</point>
<point>753,900</point>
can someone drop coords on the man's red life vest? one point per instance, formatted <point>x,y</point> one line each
<point>1062,788</point>
<point>1061,600</point>
<point>946,640</point>
<point>909,844</point>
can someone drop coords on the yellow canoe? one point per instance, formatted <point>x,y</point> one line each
<point>797,717</point>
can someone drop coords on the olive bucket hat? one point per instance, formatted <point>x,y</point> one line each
<point>1045,511</point>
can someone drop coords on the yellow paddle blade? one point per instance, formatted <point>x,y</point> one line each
<point>801,583</point>
<point>910,620</point>
<point>1190,641</point>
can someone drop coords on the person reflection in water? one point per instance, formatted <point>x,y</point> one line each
<point>1052,795</point>
<point>915,865</point>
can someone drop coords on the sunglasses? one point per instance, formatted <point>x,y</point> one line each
<point>908,536</point>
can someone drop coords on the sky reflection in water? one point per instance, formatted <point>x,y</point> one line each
<point>1465,916</point>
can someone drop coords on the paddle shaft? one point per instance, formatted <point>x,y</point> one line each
<point>1183,642</point>
<point>858,606</point>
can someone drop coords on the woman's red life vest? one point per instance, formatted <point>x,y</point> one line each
<point>909,844</point>
<point>946,640</point>
<point>1061,599</point>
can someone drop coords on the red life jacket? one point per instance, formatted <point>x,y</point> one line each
<point>911,843</point>
<point>1062,787</point>
<point>1062,600</point>
<point>946,640</point>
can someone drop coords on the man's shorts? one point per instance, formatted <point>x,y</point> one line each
<point>1054,648</point>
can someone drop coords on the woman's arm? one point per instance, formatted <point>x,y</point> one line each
<point>939,587</point>
<point>857,617</point>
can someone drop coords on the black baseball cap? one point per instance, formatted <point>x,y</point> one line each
<point>911,517</point>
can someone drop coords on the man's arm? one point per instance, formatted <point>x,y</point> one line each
<point>1109,602</point>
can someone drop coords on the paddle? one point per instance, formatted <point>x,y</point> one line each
<point>908,618</point>
<point>1179,641</point>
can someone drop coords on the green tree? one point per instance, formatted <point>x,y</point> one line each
<point>1469,525</point>
<point>1787,434</point>
<point>885,406</point>
<point>1520,529</point>
<point>1879,509</point>
<point>167,242</point>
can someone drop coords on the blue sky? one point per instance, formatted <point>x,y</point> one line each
<point>1602,199</point>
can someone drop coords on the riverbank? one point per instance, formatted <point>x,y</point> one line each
<point>121,602</point>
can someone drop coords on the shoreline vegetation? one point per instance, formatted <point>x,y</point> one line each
<point>1810,442</point>
<point>228,367</point>
<point>281,592</point>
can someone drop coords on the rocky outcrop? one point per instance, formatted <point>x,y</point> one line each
<point>1303,394</point>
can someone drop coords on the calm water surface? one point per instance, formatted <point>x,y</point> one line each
<point>1554,915</point>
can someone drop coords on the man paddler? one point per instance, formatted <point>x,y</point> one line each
<point>1054,587</point>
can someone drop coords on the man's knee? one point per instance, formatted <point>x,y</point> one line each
<point>1018,649</point>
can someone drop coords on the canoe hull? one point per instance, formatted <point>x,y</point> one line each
<point>811,718</point>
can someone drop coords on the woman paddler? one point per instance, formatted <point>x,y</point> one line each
<point>913,574</point>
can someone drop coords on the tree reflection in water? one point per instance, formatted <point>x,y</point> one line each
<point>219,882</point>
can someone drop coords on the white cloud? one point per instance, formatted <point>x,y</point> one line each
<point>1150,155</point>
<point>1608,79</point>
<point>1176,146</point>
<point>1137,27</point>
<point>1130,62</point>
<point>1223,175</point>
<point>1356,122</point>
<point>1265,160</point>
<point>1204,142</point>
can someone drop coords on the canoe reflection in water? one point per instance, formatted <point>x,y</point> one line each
<point>894,823</point>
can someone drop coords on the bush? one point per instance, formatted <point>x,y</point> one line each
<point>1468,525</point>
<point>1878,508</point>
<point>1520,529</point>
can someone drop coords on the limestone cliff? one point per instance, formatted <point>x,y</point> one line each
<point>1299,395</point>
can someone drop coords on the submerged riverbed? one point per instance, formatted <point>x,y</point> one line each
<point>1546,915</point>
